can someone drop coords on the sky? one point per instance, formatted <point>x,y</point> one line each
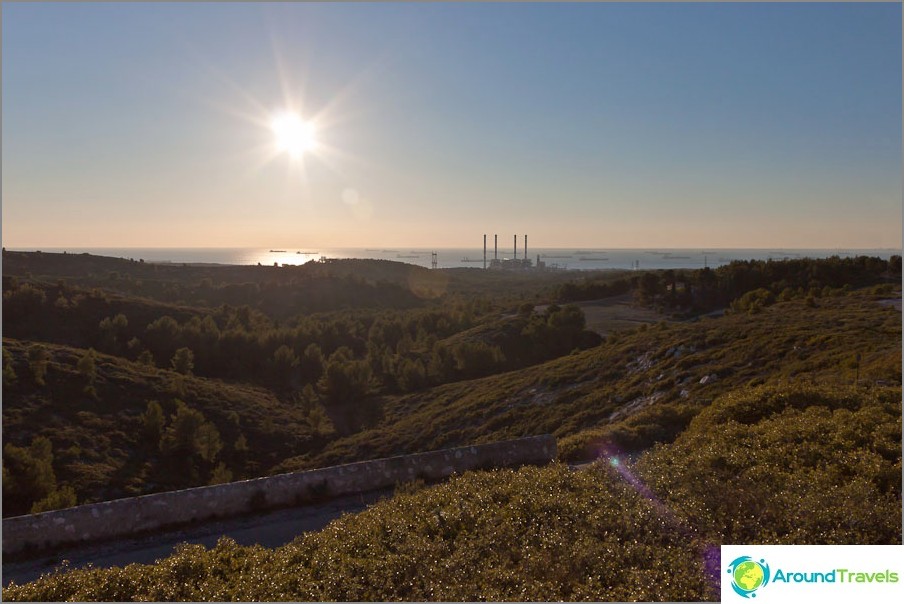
<point>583,125</point>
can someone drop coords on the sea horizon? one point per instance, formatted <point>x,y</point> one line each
<point>570,258</point>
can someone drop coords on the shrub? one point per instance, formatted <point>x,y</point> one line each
<point>788,465</point>
<point>567,536</point>
<point>58,499</point>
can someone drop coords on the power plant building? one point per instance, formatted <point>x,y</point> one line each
<point>514,263</point>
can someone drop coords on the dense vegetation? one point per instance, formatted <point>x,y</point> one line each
<point>124,377</point>
<point>609,533</point>
<point>98,383</point>
<point>110,427</point>
<point>642,386</point>
<point>745,285</point>
<point>815,465</point>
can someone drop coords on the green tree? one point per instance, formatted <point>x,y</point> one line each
<point>152,423</point>
<point>412,375</point>
<point>181,436</point>
<point>190,437</point>
<point>28,475</point>
<point>38,358</point>
<point>566,326</point>
<point>284,364</point>
<point>146,358</point>
<point>345,380</point>
<point>208,442</point>
<point>20,302</point>
<point>9,374</point>
<point>240,452</point>
<point>477,358</point>
<point>442,363</point>
<point>318,420</point>
<point>163,337</point>
<point>221,474</point>
<point>753,301</point>
<point>310,365</point>
<point>113,330</point>
<point>670,282</point>
<point>58,499</point>
<point>183,361</point>
<point>306,400</point>
<point>87,368</point>
<point>650,288</point>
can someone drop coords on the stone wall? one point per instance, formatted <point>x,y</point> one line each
<point>122,517</point>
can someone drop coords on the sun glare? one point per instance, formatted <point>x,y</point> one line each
<point>293,135</point>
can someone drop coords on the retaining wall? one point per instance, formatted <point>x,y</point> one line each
<point>122,517</point>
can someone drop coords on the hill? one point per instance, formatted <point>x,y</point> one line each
<point>122,378</point>
<point>280,292</point>
<point>635,389</point>
<point>641,386</point>
<point>106,442</point>
<point>614,532</point>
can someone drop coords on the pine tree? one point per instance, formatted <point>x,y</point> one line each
<point>183,361</point>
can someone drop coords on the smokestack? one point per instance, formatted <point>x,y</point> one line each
<point>484,251</point>
<point>516,247</point>
<point>495,247</point>
<point>525,247</point>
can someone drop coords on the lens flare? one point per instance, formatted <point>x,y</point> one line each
<point>710,551</point>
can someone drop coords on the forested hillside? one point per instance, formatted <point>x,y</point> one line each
<point>704,422</point>
<point>109,394</point>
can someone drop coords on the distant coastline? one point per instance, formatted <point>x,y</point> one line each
<point>472,257</point>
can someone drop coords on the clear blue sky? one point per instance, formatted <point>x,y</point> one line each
<point>607,125</point>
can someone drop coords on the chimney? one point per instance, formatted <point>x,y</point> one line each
<point>495,247</point>
<point>525,247</point>
<point>484,251</point>
<point>516,247</point>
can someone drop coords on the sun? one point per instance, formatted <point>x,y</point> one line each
<point>294,135</point>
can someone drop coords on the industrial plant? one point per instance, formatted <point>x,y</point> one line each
<point>513,263</point>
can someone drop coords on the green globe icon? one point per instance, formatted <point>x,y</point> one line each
<point>748,575</point>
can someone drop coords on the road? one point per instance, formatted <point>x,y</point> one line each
<point>270,530</point>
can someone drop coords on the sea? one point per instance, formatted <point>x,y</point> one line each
<point>585,259</point>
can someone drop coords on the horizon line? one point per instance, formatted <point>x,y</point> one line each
<point>38,248</point>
